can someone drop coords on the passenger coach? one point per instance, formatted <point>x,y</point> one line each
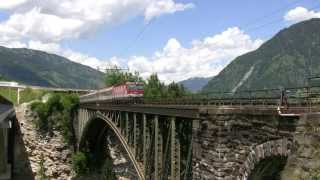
<point>129,89</point>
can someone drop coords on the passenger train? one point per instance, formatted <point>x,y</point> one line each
<point>126,90</point>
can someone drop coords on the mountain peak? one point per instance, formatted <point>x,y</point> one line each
<point>33,67</point>
<point>286,60</point>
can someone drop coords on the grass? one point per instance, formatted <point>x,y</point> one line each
<point>26,95</point>
<point>10,94</point>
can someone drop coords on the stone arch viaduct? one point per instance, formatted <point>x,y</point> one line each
<point>193,141</point>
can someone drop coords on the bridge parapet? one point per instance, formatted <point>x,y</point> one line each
<point>7,114</point>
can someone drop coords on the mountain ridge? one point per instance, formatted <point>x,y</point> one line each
<point>195,84</point>
<point>39,68</point>
<point>286,60</point>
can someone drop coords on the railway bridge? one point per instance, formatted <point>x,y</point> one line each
<point>194,138</point>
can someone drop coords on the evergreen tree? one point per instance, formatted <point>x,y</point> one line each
<point>116,76</point>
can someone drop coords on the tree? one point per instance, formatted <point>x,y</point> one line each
<point>57,114</point>
<point>116,76</point>
<point>154,87</point>
<point>2,78</point>
<point>176,90</point>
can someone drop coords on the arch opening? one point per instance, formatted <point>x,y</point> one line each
<point>268,168</point>
<point>104,150</point>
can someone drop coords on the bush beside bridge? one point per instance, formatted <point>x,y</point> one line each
<point>56,114</point>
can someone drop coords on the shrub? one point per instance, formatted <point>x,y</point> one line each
<point>41,110</point>
<point>42,170</point>
<point>107,171</point>
<point>56,113</point>
<point>80,163</point>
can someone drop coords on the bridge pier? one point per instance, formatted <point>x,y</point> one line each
<point>158,149</point>
<point>135,135</point>
<point>175,151</point>
<point>146,141</point>
<point>127,127</point>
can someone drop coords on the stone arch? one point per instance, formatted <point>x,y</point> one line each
<point>108,118</point>
<point>274,148</point>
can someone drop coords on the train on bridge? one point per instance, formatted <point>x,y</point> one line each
<point>126,90</point>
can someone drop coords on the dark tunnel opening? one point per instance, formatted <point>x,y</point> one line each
<point>268,168</point>
<point>95,144</point>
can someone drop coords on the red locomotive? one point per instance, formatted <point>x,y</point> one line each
<point>129,89</point>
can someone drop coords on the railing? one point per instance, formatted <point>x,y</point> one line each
<point>289,97</point>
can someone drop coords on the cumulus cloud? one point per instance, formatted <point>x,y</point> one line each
<point>53,21</point>
<point>11,4</point>
<point>300,14</point>
<point>205,58</point>
<point>77,57</point>
<point>42,25</point>
<point>157,8</point>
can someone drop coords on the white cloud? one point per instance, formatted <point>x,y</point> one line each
<point>48,47</point>
<point>157,8</point>
<point>300,14</point>
<point>53,21</point>
<point>88,60</point>
<point>13,44</point>
<point>204,58</point>
<point>11,3</point>
<point>43,24</point>
<point>77,57</point>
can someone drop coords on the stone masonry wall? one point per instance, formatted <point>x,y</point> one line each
<point>304,161</point>
<point>222,143</point>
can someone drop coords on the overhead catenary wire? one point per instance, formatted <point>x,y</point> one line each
<point>274,21</point>
<point>279,10</point>
<point>140,34</point>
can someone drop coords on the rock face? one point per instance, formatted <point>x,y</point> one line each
<point>122,165</point>
<point>304,163</point>
<point>31,149</point>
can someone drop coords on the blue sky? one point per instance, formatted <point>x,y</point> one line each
<point>207,18</point>
<point>177,39</point>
